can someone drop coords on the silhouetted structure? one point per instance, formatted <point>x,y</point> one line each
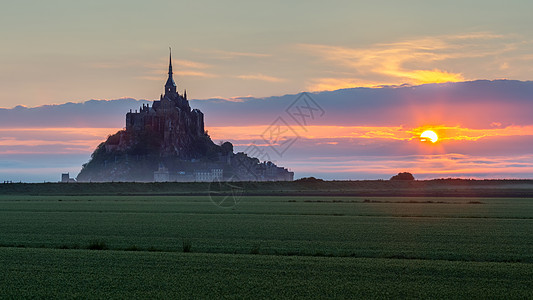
<point>172,119</point>
<point>167,142</point>
<point>65,178</point>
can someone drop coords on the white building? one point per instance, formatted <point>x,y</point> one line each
<point>162,175</point>
<point>211,175</point>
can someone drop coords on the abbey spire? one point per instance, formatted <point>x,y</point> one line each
<point>170,86</point>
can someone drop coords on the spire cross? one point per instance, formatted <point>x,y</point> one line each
<point>170,61</point>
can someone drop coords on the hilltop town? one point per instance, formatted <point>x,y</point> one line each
<point>167,142</point>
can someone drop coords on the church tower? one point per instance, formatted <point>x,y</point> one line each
<point>170,86</point>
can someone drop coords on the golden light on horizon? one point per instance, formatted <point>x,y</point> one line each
<point>429,135</point>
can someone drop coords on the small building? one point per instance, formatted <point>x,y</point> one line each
<point>217,174</point>
<point>162,175</point>
<point>209,175</point>
<point>65,178</point>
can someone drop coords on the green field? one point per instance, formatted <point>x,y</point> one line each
<point>266,246</point>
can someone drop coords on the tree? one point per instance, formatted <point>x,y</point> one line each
<point>309,180</point>
<point>403,176</point>
<point>227,147</point>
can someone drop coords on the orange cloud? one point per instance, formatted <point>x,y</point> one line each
<point>446,133</point>
<point>52,140</point>
<point>84,131</point>
<point>458,133</point>
<point>89,138</point>
<point>181,68</point>
<point>14,142</point>
<point>221,54</point>
<point>181,63</point>
<point>260,77</point>
<point>194,73</point>
<point>331,84</point>
<point>416,61</point>
<point>430,76</point>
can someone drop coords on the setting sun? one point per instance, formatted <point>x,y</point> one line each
<point>429,135</point>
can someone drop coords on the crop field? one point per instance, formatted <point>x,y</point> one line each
<point>265,246</point>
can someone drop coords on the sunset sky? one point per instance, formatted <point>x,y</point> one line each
<point>249,54</point>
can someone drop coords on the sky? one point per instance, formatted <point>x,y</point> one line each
<point>245,52</point>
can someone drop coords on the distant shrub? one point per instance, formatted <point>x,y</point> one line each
<point>475,202</point>
<point>187,246</point>
<point>226,148</point>
<point>309,180</point>
<point>403,176</point>
<point>97,245</point>
<point>132,248</point>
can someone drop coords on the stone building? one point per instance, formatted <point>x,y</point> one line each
<point>166,141</point>
<point>65,178</point>
<point>170,117</point>
<point>209,175</point>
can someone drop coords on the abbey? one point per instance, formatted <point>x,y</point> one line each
<point>167,142</point>
<point>170,116</point>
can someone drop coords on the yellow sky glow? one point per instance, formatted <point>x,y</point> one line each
<point>455,133</point>
<point>86,139</point>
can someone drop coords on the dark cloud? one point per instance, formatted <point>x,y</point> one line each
<point>93,113</point>
<point>474,104</point>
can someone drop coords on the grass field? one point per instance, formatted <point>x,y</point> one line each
<point>270,246</point>
<point>51,273</point>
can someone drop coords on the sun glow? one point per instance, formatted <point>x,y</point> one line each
<point>429,135</point>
